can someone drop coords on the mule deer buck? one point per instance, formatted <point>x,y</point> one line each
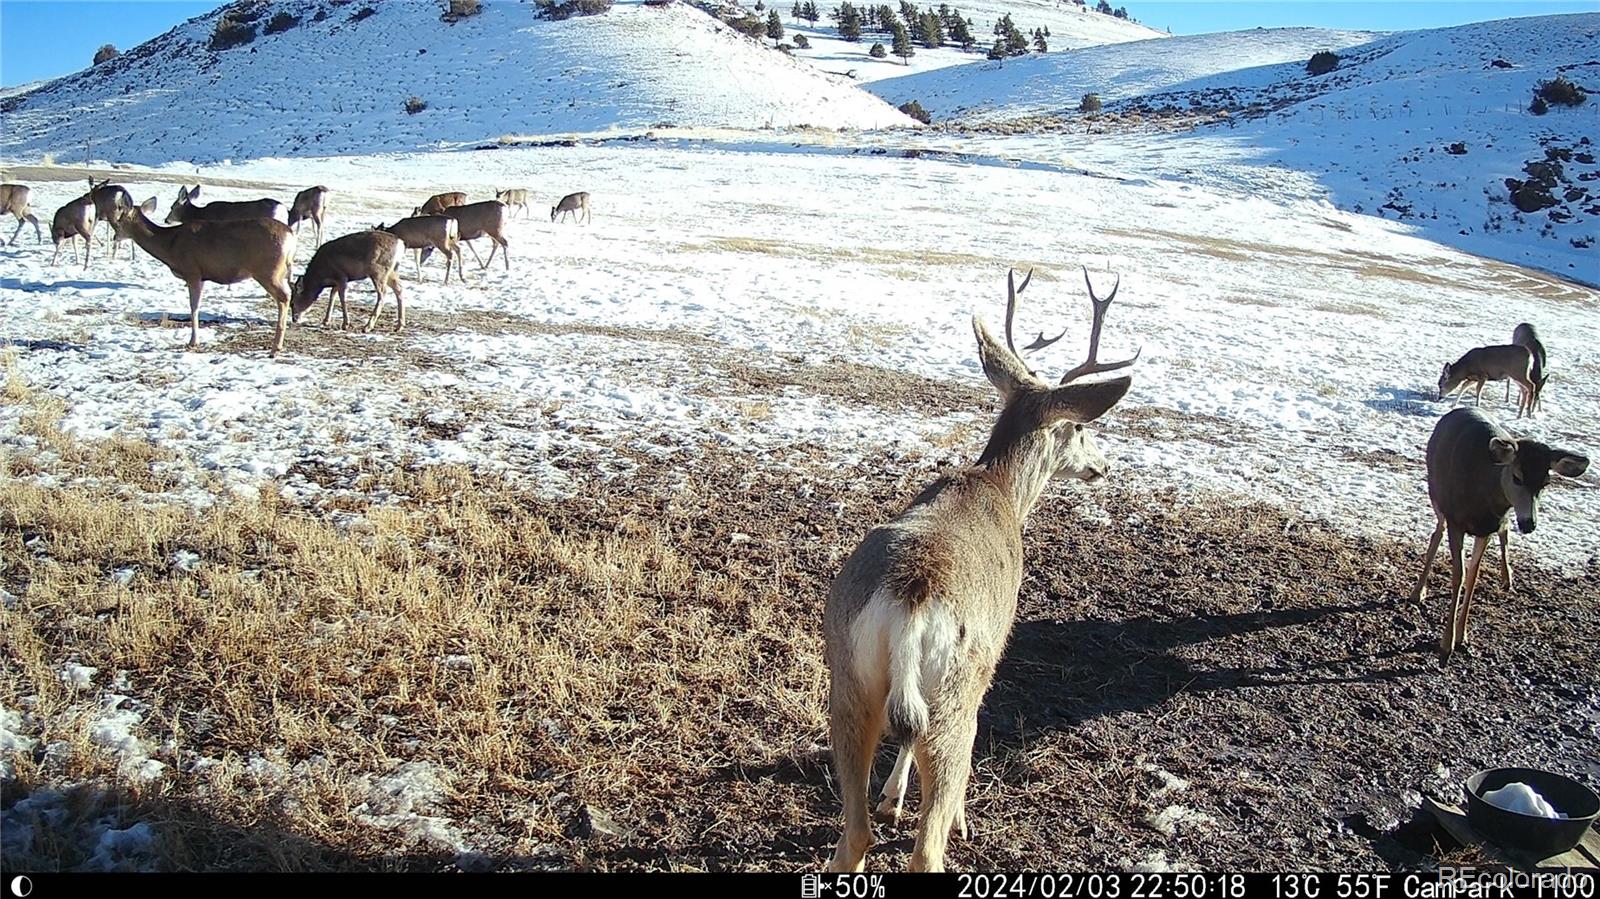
<point>183,209</point>
<point>1476,474</point>
<point>16,199</point>
<point>476,220</point>
<point>515,197</point>
<point>75,219</point>
<point>431,232</point>
<point>1503,362</point>
<point>577,204</point>
<point>921,610</point>
<point>222,252</point>
<point>309,205</point>
<point>1525,335</point>
<point>438,203</point>
<point>364,254</point>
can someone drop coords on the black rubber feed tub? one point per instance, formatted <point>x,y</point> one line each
<point>1539,837</point>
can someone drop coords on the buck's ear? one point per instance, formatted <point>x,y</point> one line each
<point>1087,402</point>
<point>1567,464</point>
<point>1502,450</point>
<point>1004,370</point>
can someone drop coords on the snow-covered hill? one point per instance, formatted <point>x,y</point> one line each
<point>1056,82</point>
<point>341,84</point>
<point>1070,27</point>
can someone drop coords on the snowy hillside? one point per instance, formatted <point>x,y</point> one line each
<point>1055,82</point>
<point>1070,27</point>
<point>341,84</point>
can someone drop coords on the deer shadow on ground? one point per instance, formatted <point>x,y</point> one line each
<point>1404,401</point>
<point>53,286</point>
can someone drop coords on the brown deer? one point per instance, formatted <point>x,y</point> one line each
<point>431,232</point>
<point>364,254</point>
<point>119,227</point>
<point>183,209</point>
<point>75,219</point>
<point>577,204</point>
<point>108,198</point>
<point>16,199</point>
<point>1526,335</point>
<point>1476,474</point>
<point>222,252</point>
<point>438,203</point>
<point>309,205</point>
<point>476,220</point>
<point>920,612</point>
<point>514,197</point>
<point>1491,363</point>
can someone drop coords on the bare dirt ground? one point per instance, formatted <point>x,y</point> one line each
<point>633,678</point>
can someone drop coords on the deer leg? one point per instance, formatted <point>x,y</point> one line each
<point>894,789</point>
<point>481,263</point>
<point>57,254</point>
<point>18,231</point>
<point>344,309</point>
<point>38,236</point>
<point>399,301</point>
<point>944,758</point>
<point>88,245</point>
<point>505,253</point>
<point>196,287</point>
<point>494,246</point>
<point>1447,642</point>
<point>1505,564</point>
<point>279,291</point>
<point>376,305</point>
<point>327,313</point>
<point>1477,398</point>
<point>1421,592</point>
<point>1480,547</point>
<point>855,722</point>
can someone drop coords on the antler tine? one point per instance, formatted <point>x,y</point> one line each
<point>1090,366</point>
<point>1012,290</point>
<point>1011,304</point>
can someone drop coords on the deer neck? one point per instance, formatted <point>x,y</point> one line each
<point>1022,470</point>
<point>153,240</point>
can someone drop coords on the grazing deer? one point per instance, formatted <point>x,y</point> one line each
<point>577,204</point>
<point>222,252</point>
<point>921,610</point>
<point>438,203</point>
<point>476,220</point>
<point>364,254</point>
<point>16,199</point>
<point>1525,335</point>
<point>309,205</point>
<point>75,219</point>
<point>183,209</point>
<point>431,232</point>
<point>1491,363</point>
<point>1476,474</point>
<point>108,198</point>
<point>514,197</point>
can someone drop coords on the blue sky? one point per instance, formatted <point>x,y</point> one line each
<point>47,38</point>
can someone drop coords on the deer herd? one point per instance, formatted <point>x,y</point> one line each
<point>226,242</point>
<point>919,614</point>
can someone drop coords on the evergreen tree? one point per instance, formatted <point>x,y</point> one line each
<point>849,19</point>
<point>908,13</point>
<point>774,26</point>
<point>1016,43</point>
<point>1103,8</point>
<point>877,52</point>
<point>810,13</point>
<point>930,31</point>
<point>1121,13</point>
<point>961,33</point>
<point>886,19</point>
<point>797,13</point>
<point>1039,45</point>
<point>760,6</point>
<point>902,43</point>
<point>998,51</point>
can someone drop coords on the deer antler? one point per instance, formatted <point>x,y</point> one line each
<point>1089,366</point>
<point>1012,290</point>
